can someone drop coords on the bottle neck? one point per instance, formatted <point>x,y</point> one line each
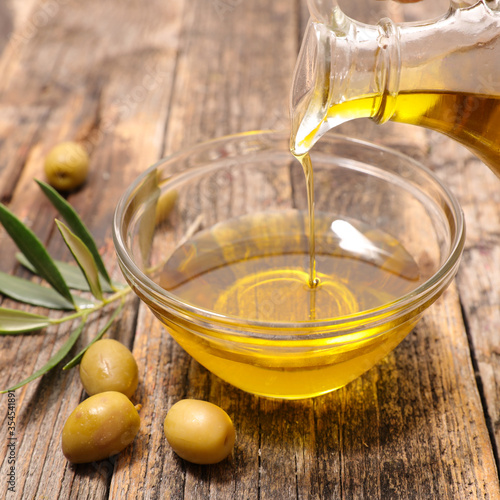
<point>388,69</point>
<point>340,64</point>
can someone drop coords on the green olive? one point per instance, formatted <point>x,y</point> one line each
<point>199,432</point>
<point>99,427</point>
<point>108,365</point>
<point>67,166</point>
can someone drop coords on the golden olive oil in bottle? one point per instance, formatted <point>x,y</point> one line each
<point>471,119</point>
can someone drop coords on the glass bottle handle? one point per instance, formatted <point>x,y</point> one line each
<point>323,11</point>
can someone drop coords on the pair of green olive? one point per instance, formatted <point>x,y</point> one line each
<point>106,422</point>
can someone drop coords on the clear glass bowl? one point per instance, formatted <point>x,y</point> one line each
<point>225,206</point>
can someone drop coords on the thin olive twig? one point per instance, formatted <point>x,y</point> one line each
<point>97,307</point>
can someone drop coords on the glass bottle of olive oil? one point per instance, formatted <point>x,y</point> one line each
<point>443,75</point>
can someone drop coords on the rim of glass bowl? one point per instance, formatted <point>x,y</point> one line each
<point>337,327</point>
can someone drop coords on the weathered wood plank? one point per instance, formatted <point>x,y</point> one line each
<point>478,279</point>
<point>228,79</point>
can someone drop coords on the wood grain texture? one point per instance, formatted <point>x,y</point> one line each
<point>134,82</point>
<point>477,189</point>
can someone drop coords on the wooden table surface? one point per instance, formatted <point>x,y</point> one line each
<point>135,80</point>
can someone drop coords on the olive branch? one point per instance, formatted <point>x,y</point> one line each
<point>90,275</point>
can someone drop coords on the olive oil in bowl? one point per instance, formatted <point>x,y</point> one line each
<point>237,294</point>
<point>255,268</point>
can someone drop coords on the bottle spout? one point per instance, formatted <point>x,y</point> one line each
<point>340,63</point>
<point>314,77</point>
<point>311,87</point>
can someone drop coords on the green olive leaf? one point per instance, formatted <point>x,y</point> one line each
<point>76,360</point>
<point>13,321</point>
<point>84,259</point>
<point>35,252</point>
<point>76,225</point>
<point>28,292</point>
<point>54,360</point>
<point>72,274</point>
